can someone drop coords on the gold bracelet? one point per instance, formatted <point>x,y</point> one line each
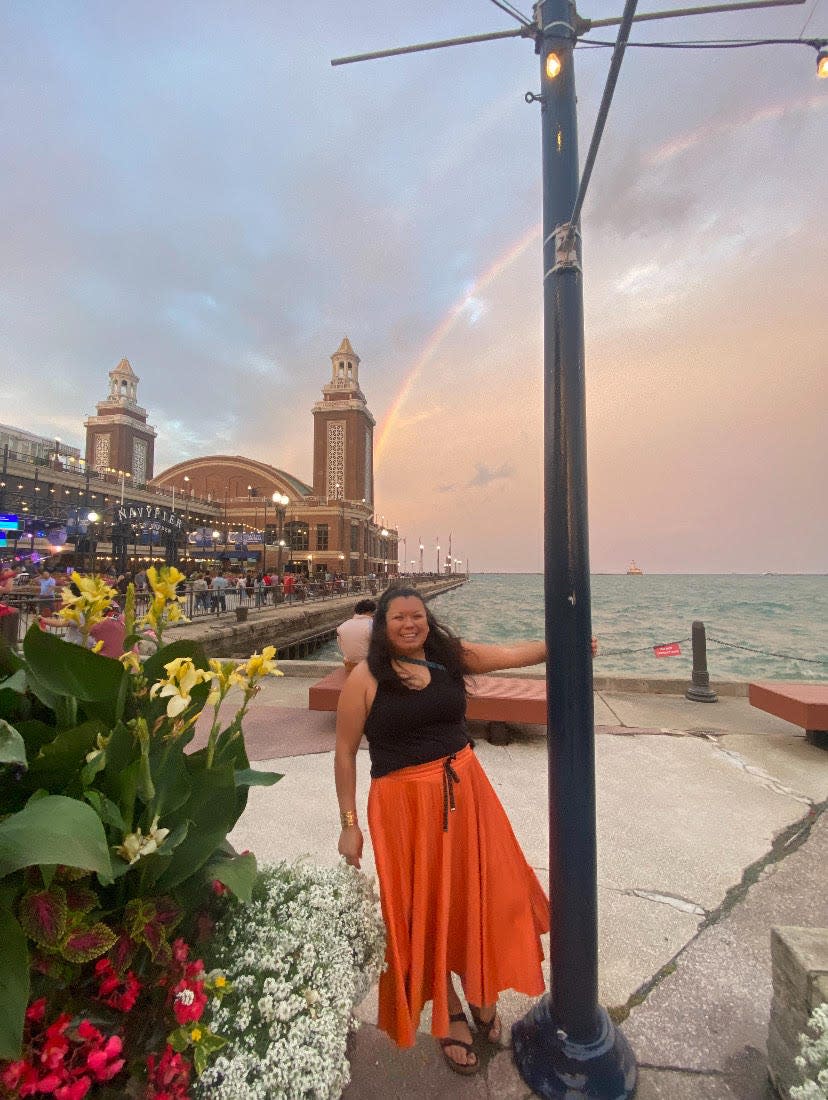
<point>348,818</point>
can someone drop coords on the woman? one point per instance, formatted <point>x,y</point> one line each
<point>457,893</point>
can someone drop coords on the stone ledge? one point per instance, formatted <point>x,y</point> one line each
<point>799,958</point>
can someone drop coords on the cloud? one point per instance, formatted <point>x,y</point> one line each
<point>485,476</point>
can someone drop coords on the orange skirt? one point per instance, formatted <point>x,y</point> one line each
<point>462,899</point>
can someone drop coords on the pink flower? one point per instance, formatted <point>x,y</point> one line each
<point>36,1011</point>
<point>74,1091</point>
<point>168,1077</point>
<point>180,950</point>
<point>104,1063</point>
<point>189,1000</point>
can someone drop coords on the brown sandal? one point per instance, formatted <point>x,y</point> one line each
<point>486,1027</point>
<point>466,1069</point>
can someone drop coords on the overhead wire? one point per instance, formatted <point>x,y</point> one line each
<point>810,17</point>
<point>510,9</point>
<point>706,44</point>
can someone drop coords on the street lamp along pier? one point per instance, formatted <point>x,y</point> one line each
<point>567,1046</point>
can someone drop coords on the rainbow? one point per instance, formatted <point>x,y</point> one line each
<point>436,338</point>
<point>703,134</point>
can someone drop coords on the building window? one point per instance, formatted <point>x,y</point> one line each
<point>336,459</point>
<point>354,537</point>
<point>103,451</point>
<point>139,461</point>
<point>369,466</point>
<point>321,536</point>
<point>296,535</point>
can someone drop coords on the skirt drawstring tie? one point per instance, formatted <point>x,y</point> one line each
<point>450,777</point>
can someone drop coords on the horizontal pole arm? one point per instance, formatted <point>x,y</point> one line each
<point>707,9</point>
<point>519,32</point>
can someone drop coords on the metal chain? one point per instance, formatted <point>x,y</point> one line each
<point>721,642</point>
<point>638,649</point>
<point>767,653</point>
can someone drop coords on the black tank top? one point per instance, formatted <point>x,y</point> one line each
<point>408,726</point>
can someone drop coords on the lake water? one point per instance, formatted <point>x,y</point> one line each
<point>779,614</point>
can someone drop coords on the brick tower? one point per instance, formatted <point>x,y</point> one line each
<point>343,434</point>
<point>119,438</point>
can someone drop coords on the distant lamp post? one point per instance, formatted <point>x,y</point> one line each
<point>822,62</point>
<point>91,518</point>
<point>422,548</point>
<point>186,519</point>
<point>384,547</point>
<point>413,565</point>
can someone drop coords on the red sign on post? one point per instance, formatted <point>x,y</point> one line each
<point>671,649</point>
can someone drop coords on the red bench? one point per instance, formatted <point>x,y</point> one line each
<point>804,705</point>
<point>514,699</point>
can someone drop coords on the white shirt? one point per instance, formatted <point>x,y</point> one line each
<point>353,637</point>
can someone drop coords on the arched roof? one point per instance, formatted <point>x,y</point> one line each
<point>214,468</point>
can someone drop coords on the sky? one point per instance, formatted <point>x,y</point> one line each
<point>194,187</point>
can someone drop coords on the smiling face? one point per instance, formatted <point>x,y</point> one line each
<point>406,626</point>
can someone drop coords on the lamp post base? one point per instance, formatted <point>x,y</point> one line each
<point>558,1068</point>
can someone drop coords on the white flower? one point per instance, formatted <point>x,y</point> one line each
<point>136,845</point>
<point>298,956</point>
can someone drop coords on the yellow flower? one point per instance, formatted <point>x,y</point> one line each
<point>89,607</point>
<point>182,677</point>
<point>166,603</point>
<point>256,668</point>
<point>130,661</point>
<point>220,982</point>
<point>135,845</point>
<point>195,1034</point>
<point>164,581</point>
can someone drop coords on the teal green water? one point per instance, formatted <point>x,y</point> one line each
<point>776,614</point>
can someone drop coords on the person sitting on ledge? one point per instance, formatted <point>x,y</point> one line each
<point>354,634</point>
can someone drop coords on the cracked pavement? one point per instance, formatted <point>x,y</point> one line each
<point>711,829</point>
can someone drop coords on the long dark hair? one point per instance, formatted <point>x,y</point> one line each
<point>441,646</point>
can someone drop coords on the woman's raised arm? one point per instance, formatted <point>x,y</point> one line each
<point>479,658</point>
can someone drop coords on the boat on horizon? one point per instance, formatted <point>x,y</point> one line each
<point>633,570</point>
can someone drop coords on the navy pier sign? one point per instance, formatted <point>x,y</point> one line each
<point>148,515</point>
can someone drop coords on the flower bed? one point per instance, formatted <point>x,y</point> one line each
<point>111,847</point>
<point>298,956</point>
<point>813,1061</point>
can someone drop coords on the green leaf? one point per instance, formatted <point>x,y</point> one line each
<point>237,874</point>
<point>88,943</point>
<point>248,777</point>
<point>106,809</point>
<point>153,668</point>
<point>59,763</point>
<point>99,683</point>
<point>14,984</point>
<point>16,682</point>
<point>172,781</point>
<point>211,811</point>
<point>42,915</point>
<point>36,734</point>
<point>179,1040</point>
<point>91,768</point>
<point>53,830</point>
<point>12,745</point>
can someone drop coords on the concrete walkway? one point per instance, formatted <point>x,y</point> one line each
<point>711,829</point>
